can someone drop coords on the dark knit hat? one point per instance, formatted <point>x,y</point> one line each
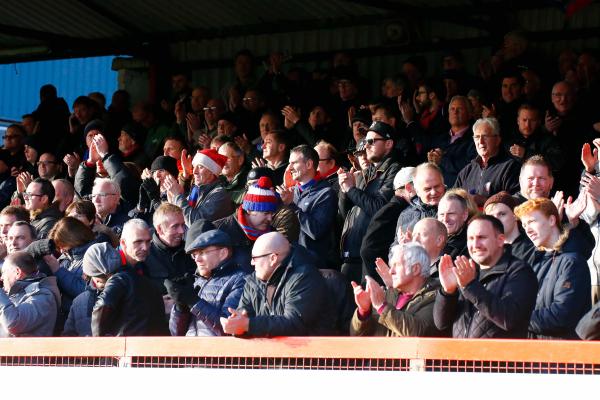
<point>135,131</point>
<point>33,142</point>
<point>363,115</point>
<point>257,173</point>
<point>167,163</point>
<point>260,197</point>
<point>94,125</point>
<point>101,259</point>
<point>502,197</point>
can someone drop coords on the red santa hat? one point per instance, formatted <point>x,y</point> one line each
<point>210,160</point>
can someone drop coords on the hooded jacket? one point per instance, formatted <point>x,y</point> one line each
<point>30,308</point>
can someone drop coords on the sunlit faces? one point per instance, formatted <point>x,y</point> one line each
<point>429,185</point>
<point>484,243</point>
<point>535,181</point>
<point>528,121</point>
<point>539,228</point>
<point>452,215</point>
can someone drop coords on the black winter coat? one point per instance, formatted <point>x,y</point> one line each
<point>362,202</point>
<point>298,302</point>
<point>129,305</point>
<point>166,262</point>
<point>501,173</point>
<point>497,305</point>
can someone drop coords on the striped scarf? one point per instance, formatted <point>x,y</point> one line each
<point>249,231</point>
<point>193,197</point>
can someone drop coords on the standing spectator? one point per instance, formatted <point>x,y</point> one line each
<point>39,199</point>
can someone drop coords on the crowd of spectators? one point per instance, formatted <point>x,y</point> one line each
<point>298,203</point>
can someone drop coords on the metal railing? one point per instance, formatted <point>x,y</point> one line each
<point>309,353</point>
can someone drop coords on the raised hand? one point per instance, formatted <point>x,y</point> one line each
<point>292,116</point>
<point>447,277</point>
<point>517,151</point>
<point>186,163</point>
<point>361,298</point>
<point>573,209</point>
<point>101,145</point>
<point>376,293</point>
<point>559,202</point>
<point>383,270</point>
<point>465,270</point>
<point>592,184</point>
<point>589,157</point>
<point>404,236</point>
<point>72,161</point>
<point>243,143</point>
<point>236,323</point>
<point>286,194</point>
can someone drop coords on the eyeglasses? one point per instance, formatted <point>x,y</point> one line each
<point>30,195</point>
<point>324,159</point>
<point>44,163</point>
<point>202,253</point>
<point>248,99</point>
<point>94,195</point>
<point>484,137</point>
<point>421,92</point>
<point>254,258</point>
<point>213,108</point>
<point>372,141</point>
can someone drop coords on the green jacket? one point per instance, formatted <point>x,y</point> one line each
<point>414,319</point>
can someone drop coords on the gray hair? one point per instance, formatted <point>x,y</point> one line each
<point>101,181</point>
<point>491,122</point>
<point>133,224</point>
<point>465,100</point>
<point>412,253</point>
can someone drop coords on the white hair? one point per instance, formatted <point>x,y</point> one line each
<point>491,122</point>
<point>101,181</point>
<point>412,253</point>
<point>130,226</point>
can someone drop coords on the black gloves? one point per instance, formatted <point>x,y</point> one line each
<point>151,188</point>
<point>181,289</point>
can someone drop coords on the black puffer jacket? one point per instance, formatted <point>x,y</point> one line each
<point>497,305</point>
<point>79,321</point>
<point>166,262</point>
<point>298,301</point>
<point>129,305</point>
<point>362,202</point>
<point>46,220</point>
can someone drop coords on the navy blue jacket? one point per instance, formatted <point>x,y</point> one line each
<point>501,173</point>
<point>564,294</point>
<point>215,295</point>
<point>316,208</point>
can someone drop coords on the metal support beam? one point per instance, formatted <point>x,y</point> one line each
<point>126,25</point>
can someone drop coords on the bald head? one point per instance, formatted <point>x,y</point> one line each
<point>268,252</point>
<point>432,235</point>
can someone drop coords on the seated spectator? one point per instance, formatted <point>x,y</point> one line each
<point>44,213</point>
<point>328,164</point>
<point>85,211</point>
<point>563,277</point>
<point>535,179</point>
<point>29,302</point>
<point>283,297</point>
<point>110,209</point>
<point>530,139</point>
<point>64,193</point>
<point>406,308</point>
<point>128,304</point>
<point>49,167</point>
<point>429,186</point>
<point>146,115</point>
<point>315,204</point>
<point>101,163</point>
<point>207,198</point>
<point>432,235</point>
<point>453,212</point>
<point>20,235</point>
<point>71,238</point>
<point>275,153</point>
<point>167,257</point>
<point>235,171</point>
<point>251,220</point>
<point>221,282</point>
<point>493,170</point>
<point>454,150</point>
<point>135,244</point>
<point>8,216</point>
<point>501,206</point>
<point>131,142</point>
<point>308,130</point>
<point>152,189</point>
<point>496,302</point>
